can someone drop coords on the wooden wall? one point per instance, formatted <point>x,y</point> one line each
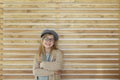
<point>89,36</point>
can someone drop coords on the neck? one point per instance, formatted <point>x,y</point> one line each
<point>47,50</point>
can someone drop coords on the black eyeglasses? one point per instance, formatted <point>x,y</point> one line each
<point>49,39</point>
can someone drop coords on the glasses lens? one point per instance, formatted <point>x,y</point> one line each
<point>49,39</point>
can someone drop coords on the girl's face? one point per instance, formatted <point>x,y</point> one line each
<point>48,41</point>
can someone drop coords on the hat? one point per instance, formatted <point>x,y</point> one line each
<point>50,32</point>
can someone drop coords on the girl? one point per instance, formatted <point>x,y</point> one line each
<point>48,61</point>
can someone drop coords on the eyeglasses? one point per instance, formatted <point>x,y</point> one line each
<point>49,39</point>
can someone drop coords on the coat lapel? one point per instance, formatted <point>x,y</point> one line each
<point>53,56</point>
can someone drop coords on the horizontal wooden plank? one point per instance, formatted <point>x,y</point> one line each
<point>24,62</point>
<point>62,31</point>
<point>65,56</point>
<point>64,67</point>
<point>91,77</point>
<point>91,51</point>
<point>64,46</point>
<point>61,36</point>
<point>65,41</point>
<point>64,71</point>
<point>89,66</point>
<point>60,5</point>
<point>59,26</point>
<point>59,11</point>
<point>65,51</point>
<point>63,16</point>
<point>17,72</point>
<point>91,61</point>
<point>17,66</point>
<point>62,21</point>
<point>95,1</point>
<point>16,56</point>
<point>64,77</point>
<point>18,77</point>
<point>89,71</point>
<point>91,56</point>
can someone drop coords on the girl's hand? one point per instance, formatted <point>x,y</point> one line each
<point>58,72</point>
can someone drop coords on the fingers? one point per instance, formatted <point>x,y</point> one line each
<point>58,72</point>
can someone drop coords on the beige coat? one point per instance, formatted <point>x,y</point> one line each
<point>48,68</point>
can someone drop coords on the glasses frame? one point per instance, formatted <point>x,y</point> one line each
<point>49,39</point>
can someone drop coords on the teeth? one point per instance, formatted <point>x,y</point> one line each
<point>48,44</point>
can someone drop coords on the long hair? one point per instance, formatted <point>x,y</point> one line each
<point>42,48</point>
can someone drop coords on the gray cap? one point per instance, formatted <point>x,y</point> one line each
<point>50,32</point>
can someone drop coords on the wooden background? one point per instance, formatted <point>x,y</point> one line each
<point>89,36</point>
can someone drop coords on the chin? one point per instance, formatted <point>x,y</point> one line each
<point>47,46</point>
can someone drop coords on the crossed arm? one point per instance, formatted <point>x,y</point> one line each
<point>48,68</point>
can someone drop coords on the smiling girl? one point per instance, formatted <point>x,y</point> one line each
<point>48,61</point>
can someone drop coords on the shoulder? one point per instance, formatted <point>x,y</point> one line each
<point>57,51</point>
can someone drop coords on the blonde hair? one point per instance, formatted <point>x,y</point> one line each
<point>42,48</point>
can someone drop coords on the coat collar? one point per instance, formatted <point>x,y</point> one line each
<point>52,56</point>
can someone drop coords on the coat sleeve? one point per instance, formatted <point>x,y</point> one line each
<point>56,65</point>
<point>37,71</point>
